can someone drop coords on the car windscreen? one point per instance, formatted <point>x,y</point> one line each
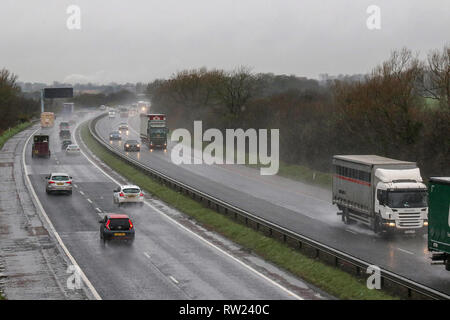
<point>407,199</point>
<point>131,190</point>
<point>119,224</point>
<point>115,133</point>
<point>132,142</point>
<point>159,131</point>
<point>60,178</point>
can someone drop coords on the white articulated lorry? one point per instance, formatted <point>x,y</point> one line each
<point>384,194</point>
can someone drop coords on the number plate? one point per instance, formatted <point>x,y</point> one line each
<point>60,184</point>
<point>410,231</point>
<point>119,234</point>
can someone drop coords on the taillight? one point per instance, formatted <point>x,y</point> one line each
<point>69,182</point>
<point>107,224</point>
<point>121,194</point>
<point>131,224</point>
<point>50,182</point>
<point>141,194</point>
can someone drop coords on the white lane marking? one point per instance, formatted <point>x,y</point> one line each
<point>405,251</point>
<point>81,192</point>
<point>200,237</point>
<point>98,209</point>
<point>89,200</point>
<point>52,228</point>
<point>173,279</point>
<point>75,186</point>
<point>351,231</point>
<point>147,255</point>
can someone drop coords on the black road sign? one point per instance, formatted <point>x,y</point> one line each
<point>51,93</point>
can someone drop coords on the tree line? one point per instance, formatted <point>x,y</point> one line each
<point>401,109</point>
<point>14,107</point>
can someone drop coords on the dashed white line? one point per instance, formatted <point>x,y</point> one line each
<point>351,231</point>
<point>405,251</point>
<point>147,255</point>
<point>173,279</point>
<point>98,209</point>
<point>89,200</point>
<point>75,185</point>
<point>81,192</point>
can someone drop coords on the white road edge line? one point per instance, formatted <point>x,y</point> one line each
<point>173,279</point>
<point>58,238</point>
<point>405,251</point>
<point>198,236</point>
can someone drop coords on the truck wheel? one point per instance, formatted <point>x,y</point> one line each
<point>378,227</point>
<point>345,217</point>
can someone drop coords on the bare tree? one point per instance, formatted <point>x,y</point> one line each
<point>437,82</point>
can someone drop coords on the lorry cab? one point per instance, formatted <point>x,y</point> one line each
<point>401,198</point>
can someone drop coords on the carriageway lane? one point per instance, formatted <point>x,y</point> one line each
<point>165,261</point>
<point>297,206</point>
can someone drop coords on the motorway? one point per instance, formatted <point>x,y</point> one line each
<point>166,261</point>
<point>294,205</point>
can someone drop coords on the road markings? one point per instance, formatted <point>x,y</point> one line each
<point>351,231</point>
<point>405,251</point>
<point>274,283</point>
<point>81,192</point>
<point>89,200</point>
<point>173,279</point>
<point>52,228</point>
<point>75,185</point>
<point>98,209</point>
<point>147,255</point>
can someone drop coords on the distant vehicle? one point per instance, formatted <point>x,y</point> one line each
<point>128,194</point>
<point>153,131</point>
<point>123,128</point>
<point>59,182</point>
<point>116,227</point>
<point>123,112</point>
<point>68,108</point>
<point>65,144</point>
<point>65,134</point>
<point>143,106</point>
<point>102,107</point>
<point>385,194</point>
<point>64,125</point>
<point>73,149</point>
<point>111,114</point>
<point>439,221</point>
<point>47,119</point>
<point>132,145</point>
<point>41,146</point>
<point>115,135</point>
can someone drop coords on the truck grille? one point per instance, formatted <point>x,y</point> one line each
<point>409,220</point>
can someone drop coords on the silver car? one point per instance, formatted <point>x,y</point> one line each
<point>59,182</point>
<point>73,149</point>
<point>128,194</point>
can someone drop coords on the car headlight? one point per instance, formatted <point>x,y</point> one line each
<point>138,145</point>
<point>127,145</point>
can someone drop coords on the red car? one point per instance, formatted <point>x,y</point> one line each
<point>116,227</point>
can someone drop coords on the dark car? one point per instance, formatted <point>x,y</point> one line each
<point>115,135</point>
<point>132,145</point>
<point>64,125</point>
<point>64,134</point>
<point>65,144</point>
<point>116,227</point>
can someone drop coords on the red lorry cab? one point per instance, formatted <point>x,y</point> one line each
<point>41,146</point>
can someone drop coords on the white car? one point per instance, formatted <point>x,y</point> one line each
<point>128,194</point>
<point>58,182</point>
<point>111,114</point>
<point>73,149</point>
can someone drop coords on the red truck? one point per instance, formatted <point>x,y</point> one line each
<point>41,146</point>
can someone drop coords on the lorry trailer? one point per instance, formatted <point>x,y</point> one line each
<point>385,194</point>
<point>439,220</point>
<point>47,119</point>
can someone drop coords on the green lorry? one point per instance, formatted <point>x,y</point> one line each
<point>439,220</point>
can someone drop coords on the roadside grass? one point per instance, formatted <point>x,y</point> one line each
<point>12,131</point>
<point>332,280</point>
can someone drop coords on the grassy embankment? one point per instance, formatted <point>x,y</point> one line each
<point>334,281</point>
<point>12,131</point>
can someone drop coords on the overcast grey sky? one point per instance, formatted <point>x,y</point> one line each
<point>140,40</point>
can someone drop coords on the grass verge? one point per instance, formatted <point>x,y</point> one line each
<point>332,280</point>
<point>12,131</point>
